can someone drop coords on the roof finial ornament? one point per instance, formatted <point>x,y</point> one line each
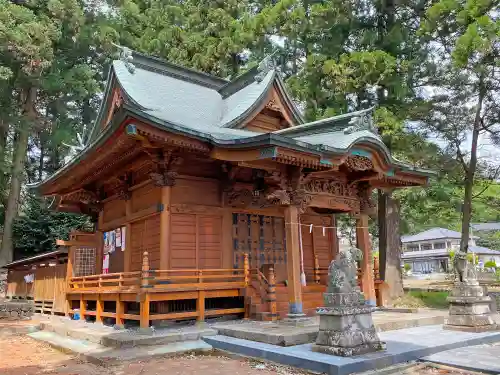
<point>265,66</point>
<point>126,57</point>
<point>363,120</point>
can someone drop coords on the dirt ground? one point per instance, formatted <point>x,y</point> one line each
<point>21,355</point>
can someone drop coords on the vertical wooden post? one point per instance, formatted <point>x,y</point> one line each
<point>100,245</point>
<point>145,271</point>
<point>99,309</point>
<point>144,322</point>
<point>166,193</point>
<point>335,239</point>
<point>363,241</point>
<point>128,237</point>
<point>271,295</point>
<point>83,305</point>
<point>119,311</point>
<point>246,269</point>
<point>227,239</point>
<point>200,306</point>
<point>293,261</point>
<point>69,274</point>
<point>316,270</point>
<point>144,313</point>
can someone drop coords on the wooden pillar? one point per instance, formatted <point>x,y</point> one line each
<point>363,241</point>
<point>99,309</point>
<point>334,238</point>
<point>200,306</point>
<point>128,237</point>
<point>272,295</point>
<point>144,322</point>
<point>119,312</point>
<point>100,245</point>
<point>293,260</point>
<point>83,309</point>
<point>227,239</point>
<point>166,193</point>
<point>144,313</point>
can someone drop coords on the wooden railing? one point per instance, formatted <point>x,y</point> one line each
<point>267,289</point>
<point>149,280</point>
<point>149,285</point>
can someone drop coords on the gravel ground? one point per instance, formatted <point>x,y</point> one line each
<point>21,355</point>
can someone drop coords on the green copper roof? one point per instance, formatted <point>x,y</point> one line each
<point>211,109</point>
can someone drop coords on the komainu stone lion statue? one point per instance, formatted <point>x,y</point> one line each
<point>342,272</point>
<point>460,266</point>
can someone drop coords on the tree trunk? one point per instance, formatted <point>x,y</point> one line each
<point>19,156</point>
<point>470,172</point>
<point>4,131</point>
<point>390,246</point>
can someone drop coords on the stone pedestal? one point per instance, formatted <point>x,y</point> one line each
<point>346,326</point>
<point>469,308</point>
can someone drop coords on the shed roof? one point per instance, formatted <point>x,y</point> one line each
<point>37,258</point>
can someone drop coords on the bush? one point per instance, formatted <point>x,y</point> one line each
<point>490,264</point>
<point>407,267</point>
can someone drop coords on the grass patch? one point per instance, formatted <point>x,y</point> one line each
<point>435,300</point>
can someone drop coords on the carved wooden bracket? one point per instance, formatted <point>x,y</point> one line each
<point>167,165</point>
<point>291,188</point>
<point>367,206</point>
<point>229,172</point>
<point>122,189</point>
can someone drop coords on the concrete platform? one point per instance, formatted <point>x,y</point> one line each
<point>403,345</point>
<point>107,336</point>
<point>285,335</point>
<point>481,358</point>
<point>103,355</point>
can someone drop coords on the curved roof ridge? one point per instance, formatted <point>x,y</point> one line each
<point>323,122</point>
<point>177,71</point>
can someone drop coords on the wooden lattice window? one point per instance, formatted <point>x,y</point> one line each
<point>261,237</point>
<point>84,262</point>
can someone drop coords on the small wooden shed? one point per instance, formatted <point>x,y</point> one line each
<point>41,278</point>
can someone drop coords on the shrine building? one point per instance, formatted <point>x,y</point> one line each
<point>215,197</point>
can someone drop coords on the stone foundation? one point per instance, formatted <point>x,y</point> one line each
<point>16,310</point>
<point>347,330</point>
<point>469,308</point>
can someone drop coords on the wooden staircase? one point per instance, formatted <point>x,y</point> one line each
<point>266,301</point>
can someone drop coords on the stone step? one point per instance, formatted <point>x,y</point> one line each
<point>102,355</point>
<point>107,336</point>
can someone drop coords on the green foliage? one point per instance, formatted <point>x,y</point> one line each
<point>407,267</point>
<point>490,264</point>
<point>38,228</point>
<point>435,300</point>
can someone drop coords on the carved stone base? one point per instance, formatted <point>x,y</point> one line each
<point>347,331</point>
<point>349,352</point>
<point>469,308</point>
<point>477,329</point>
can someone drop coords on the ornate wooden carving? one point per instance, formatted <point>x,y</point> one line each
<point>167,165</point>
<point>272,105</point>
<point>122,190</point>
<point>291,188</point>
<point>229,172</point>
<point>359,163</point>
<point>244,198</point>
<point>365,198</point>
